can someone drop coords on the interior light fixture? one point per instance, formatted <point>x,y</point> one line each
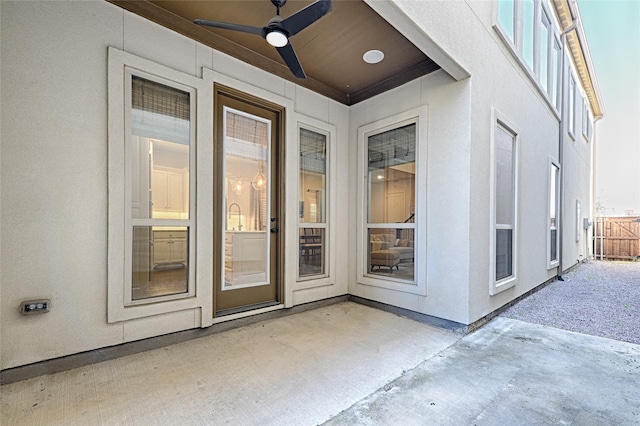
<point>238,187</point>
<point>259,180</point>
<point>373,56</point>
<point>277,39</point>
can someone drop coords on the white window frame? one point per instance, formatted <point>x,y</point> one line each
<point>572,107</point>
<point>555,93</point>
<point>120,306</point>
<point>552,263</point>
<point>578,221</point>
<point>516,47</point>
<point>497,286</point>
<point>544,21</point>
<point>329,130</point>
<point>418,117</point>
<point>585,119</point>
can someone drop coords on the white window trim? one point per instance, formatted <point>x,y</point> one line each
<point>553,263</point>
<point>578,221</point>
<point>120,307</point>
<point>571,110</point>
<point>419,286</point>
<point>585,119</point>
<point>329,130</point>
<point>516,47</point>
<point>497,286</point>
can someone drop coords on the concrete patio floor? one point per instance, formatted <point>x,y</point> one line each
<point>347,364</point>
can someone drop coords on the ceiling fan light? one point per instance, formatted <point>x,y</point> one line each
<point>277,39</point>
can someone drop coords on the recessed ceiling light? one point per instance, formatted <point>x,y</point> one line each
<point>373,56</point>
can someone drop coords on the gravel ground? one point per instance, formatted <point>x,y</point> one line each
<point>599,298</point>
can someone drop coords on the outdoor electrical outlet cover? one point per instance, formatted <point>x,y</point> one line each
<point>30,307</point>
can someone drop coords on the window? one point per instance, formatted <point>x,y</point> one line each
<point>504,207</point>
<point>554,174</point>
<point>585,119</point>
<point>391,160</point>
<point>528,31</point>
<point>545,39</point>
<point>152,134</point>
<point>578,221</point>
<point>312,204</point>
<point>159,148</point>
<point>506,18</point>
<point>555,73</point>
<point>572,106</point>
<point>391,202</point>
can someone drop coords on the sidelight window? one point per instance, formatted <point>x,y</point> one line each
<point>312,204</point>
<point>159,152</point>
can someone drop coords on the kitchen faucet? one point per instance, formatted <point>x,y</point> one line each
<point>239,215</point>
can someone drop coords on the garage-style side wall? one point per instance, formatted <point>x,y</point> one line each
<point>54,171</point>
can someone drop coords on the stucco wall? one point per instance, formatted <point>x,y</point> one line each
<point>500,86</point>
<point>447,188</point>
<point>54,173</point>
<point>54,151</point>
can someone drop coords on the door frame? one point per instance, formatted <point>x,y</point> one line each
<point>278,145</point>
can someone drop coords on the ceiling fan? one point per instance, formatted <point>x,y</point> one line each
<point>278,30</point>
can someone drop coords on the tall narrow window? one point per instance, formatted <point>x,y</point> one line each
<point>312,204</point>
<point>553,214</point>
<point>505,202</point>
<point>391,200</point>
<point>585,118</point>
<point>506,17</point>
<point>528,31</point>
<point>544,51</point>
<point>572,106</point>
<point>555,73</point>
<point>160,221</point>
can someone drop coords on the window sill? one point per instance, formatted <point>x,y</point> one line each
<point>527,70</point>
<point>500,286</point>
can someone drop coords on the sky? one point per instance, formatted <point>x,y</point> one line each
<point>612,28</point>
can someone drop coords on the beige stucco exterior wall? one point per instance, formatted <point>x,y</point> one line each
<point>54,235</point>
<point>54,150</point>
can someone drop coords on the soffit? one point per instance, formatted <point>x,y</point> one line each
<point>330,50</point>
<point>580,56</point>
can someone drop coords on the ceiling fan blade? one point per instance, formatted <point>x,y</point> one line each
<point>291,59</point>
<point>307,16</point>
<point>234,27</point>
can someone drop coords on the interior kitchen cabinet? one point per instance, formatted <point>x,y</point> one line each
<point>169,247</point>
<point>245,258</point>
<point>168,189</point>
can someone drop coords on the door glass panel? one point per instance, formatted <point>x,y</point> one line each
<point>160,261</point>
<point>246,144</point>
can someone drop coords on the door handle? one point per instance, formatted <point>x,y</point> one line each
<point>274,230</point>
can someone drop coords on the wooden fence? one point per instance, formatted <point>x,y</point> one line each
<point>616,238</point>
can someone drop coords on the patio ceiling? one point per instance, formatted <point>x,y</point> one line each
<point>330,50</point>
